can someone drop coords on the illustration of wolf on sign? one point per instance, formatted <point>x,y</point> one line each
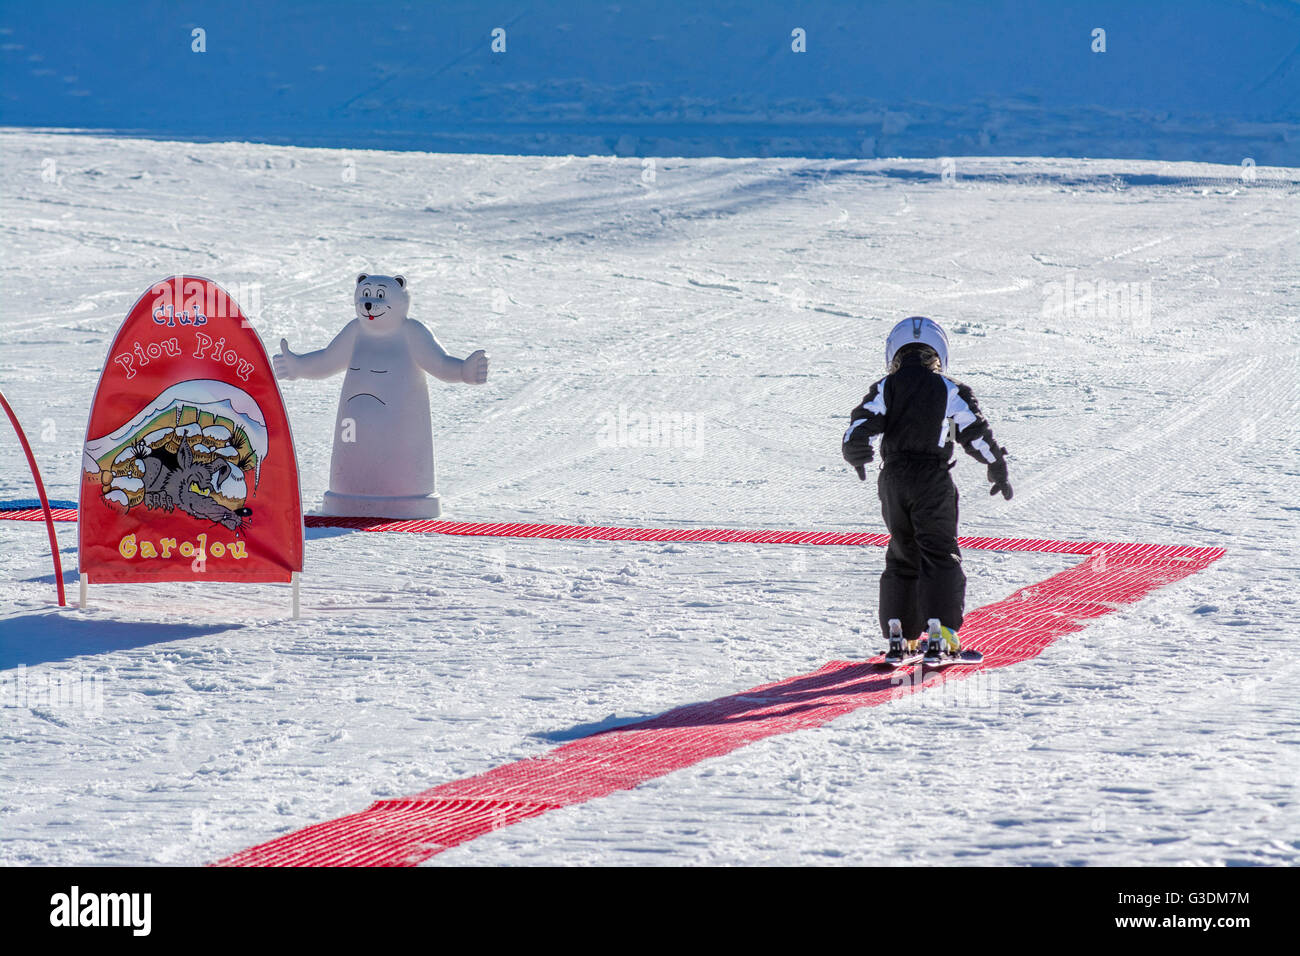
<point>176,480</point>
<point>193,449</point>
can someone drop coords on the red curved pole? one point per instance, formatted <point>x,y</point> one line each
<point>45,502</point>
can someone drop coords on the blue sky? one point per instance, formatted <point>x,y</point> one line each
<point>1184,80</point>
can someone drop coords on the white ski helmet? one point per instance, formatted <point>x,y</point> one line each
<point>917,330</point>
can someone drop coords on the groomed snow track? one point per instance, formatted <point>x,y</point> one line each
<point>407,831</point>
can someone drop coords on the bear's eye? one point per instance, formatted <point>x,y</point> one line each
<point>379,293</point>
<point>365,292</point>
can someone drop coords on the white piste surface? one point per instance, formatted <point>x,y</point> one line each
<point>744,303</point>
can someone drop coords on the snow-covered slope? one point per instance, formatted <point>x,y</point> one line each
<point>1130,328</point>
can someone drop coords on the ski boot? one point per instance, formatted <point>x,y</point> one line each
<point>897,646</point>
<point>940,643</point>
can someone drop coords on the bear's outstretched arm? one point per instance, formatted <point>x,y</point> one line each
<point>434,359</point>
<point>319,364</point>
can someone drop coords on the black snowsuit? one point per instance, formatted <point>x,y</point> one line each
<point>912,408</point>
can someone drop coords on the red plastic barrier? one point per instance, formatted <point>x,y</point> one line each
<point>43,513</point>
<point>582,532</point>
<point>38,514</point>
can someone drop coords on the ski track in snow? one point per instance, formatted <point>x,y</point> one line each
<point>752,297</point>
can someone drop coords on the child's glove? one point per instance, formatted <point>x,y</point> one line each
<point>998,478</point>
<point>858,454</point>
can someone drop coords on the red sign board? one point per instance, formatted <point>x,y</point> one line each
<point>188,471</point>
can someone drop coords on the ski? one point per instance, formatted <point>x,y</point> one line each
<point>963,658</point>
<point>906,661</point>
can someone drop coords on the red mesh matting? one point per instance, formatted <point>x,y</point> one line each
<point>404,832</point>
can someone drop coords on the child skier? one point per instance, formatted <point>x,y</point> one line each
<point>923,588</point>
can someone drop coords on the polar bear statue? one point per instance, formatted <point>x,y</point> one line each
<point>382,465</point>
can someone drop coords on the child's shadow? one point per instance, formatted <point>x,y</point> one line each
<point>788,699</point>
